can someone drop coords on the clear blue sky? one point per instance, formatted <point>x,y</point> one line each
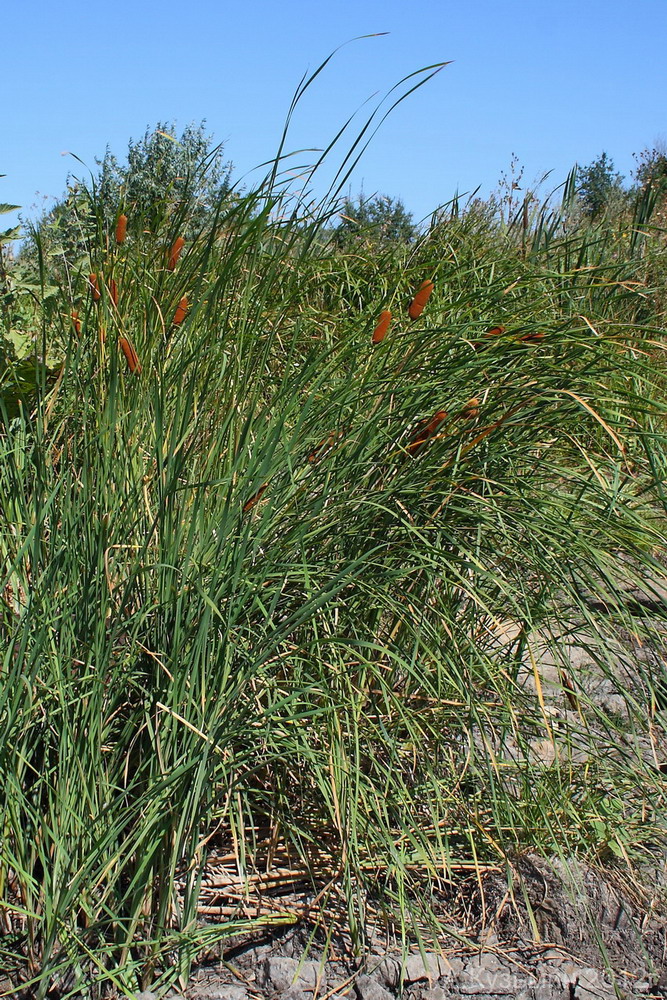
<point>554,82</point>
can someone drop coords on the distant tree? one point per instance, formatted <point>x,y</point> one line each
<point>164,174</point>
<point>651,169</point>
<point>378,218</point>
<point>599,187</point>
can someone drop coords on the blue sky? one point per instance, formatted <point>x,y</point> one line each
<point>553,82</point>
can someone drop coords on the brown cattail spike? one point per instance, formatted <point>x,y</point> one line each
<point>121,229</point>
<point>533,338</point>
<point>94,287</point>
<point>421,298</point>
<point>471,410</point>
<point>130,355</point>
<point>181,311</point>
<point>384,322</point>
<point>425,431</point>
<point>495,331</point>
<point>254,499</point>
<point>175,252</point>
<point>76,322</point>
<point>113,291</point>
<point>324,446</point>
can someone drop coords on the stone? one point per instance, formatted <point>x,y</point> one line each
<point>384,969</point>
<point>437,993</point>
<point>145,995</point>
<point>591,984</point>
<point>281,974</point>
<point>550,991</point>
<point>369,989</point>
<point>430,966</point>
<point>486,974</point>
<point>227,993</point>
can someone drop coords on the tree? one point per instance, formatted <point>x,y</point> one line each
<point>163,175</point>
<point>378,218</point>
<point>599,187</point>
<point>651,169</point>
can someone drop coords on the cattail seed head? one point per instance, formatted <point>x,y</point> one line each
<point>76,322</point>
<point>113,291</point>
<point>130,355</point>
<point>471,410</point>
<point>421,298</point>
<point>175,252</point>
<point>121,229</point>
<point>94,287</point>
<point>384,322</point>
<point>425,431</point>
<point>181,311</point>
<point>533,338</point>
<point>495,331</point>
<point>324,446</point>
<point>254,499</point>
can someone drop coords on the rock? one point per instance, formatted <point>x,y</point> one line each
<point>282,974</point>
<point>145,995</point>
<point>430,966</point>
<point>369,989</point>
<point>227,993</point>
<point>437,993</point>
<point>486,974</point>
<point>591,984</point>
<point>384,969</point>
<point>550,990</point>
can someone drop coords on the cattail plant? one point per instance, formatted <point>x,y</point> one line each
<point>425,432</point>
<point>324,446</point>
<point>94,287</point>
<point>383,325</point>
<point>254,499</point>
<point>175,252</point>
<point>121,228</point>
<point>416,307</point>
<point>130,355</point>
<point>181,311</point>
<point>471,409</point>
<point>76,322</point>
<point>113,291</point>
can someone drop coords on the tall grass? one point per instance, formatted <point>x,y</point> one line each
<point>242,609</point>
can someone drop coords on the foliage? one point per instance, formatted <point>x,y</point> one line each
<point>254,608</point>
<point>651,168</point>
<point>165,177</point>
<point>600,187</point>
<point>378,219</point>
<point>164,173</point>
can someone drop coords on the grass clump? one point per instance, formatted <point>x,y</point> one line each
<point>275,591</point>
